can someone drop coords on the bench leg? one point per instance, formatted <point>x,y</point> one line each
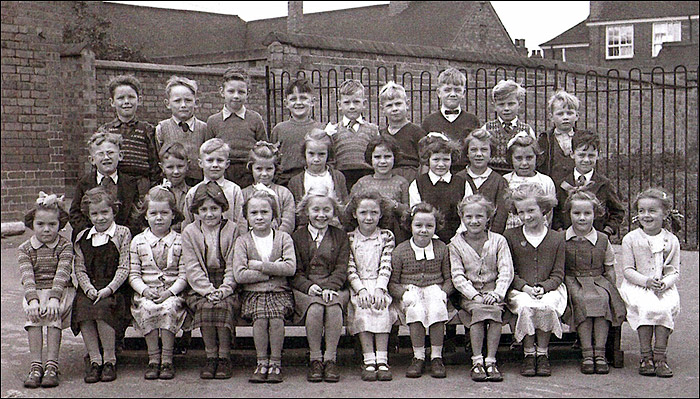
<point>613,349</point>
<point>394,339</point>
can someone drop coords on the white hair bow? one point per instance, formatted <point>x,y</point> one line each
<point>438,135</point>
<point>516,137</point>
<point>330,129</point>
<point>262,187</point>
<point>48,200</point>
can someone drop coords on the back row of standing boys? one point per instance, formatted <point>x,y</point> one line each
<point>403,195</point>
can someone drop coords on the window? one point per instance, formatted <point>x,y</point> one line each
<point>664,32</point>
<point>619,41</point>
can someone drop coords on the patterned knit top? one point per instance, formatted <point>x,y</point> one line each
<point>138,146</point>
<point>45,266</point>
<point>501,137</point>
<point>422,273</point>
<point>350,146</point>
<point>370,258</point>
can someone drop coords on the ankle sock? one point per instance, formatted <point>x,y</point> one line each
<point>154,357</point>
<point>329,356</point>
<point>490,360</point>
<point>419,352</point>
<point>276,362</point>
<point>382,357</point>
<point>435,352</point>
<point>479,359</point>
<point>529,351</point>
<point>316,355</point>
<point>659,353</point>
<point>369,358</point>
<point>587,353</point>
<point>167,355</point>
<point>598,352</point>
<point>542,351</point>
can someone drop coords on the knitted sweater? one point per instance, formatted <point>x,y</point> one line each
<point>138,147</point>
<point>168,131</point>
<point>240,134</point>
<point>122,240</point>
<point>638,262</point>
<point>146,273</point>
<point>501,138</point>
<point>45,266</point>
<point>407,138</point>
<point>422,273</point>
<point>383,269</point>
<point>543,265</point>
<point>271,275</point>
<point>456,130</point>
<point>285,207</point>
<point>233,195</point>
<point>350,146</point>
<point>290,135</point>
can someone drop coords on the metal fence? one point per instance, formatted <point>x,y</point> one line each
<point>648,122</point>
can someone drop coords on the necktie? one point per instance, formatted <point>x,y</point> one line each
<point>581,181</point>
<point>317,239</point>
<point>351,125</point>
<point>508,127</point>
<point>451,112</point>
<point>109,185</point>
<point>184,126</point>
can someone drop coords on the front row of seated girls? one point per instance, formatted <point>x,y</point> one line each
<point>531,276</point>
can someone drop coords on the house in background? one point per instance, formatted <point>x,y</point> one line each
<point>630,34</point>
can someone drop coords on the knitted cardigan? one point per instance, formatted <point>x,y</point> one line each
<point>271,275</point>
<point>408,270</point>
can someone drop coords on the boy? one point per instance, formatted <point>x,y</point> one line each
<point>105,156</point>
<point>507,97</point>
<point>299,100</point>
<point>557,155</point>
<point>451,120</point>
<point>174,163</point>
<point>139,145</point>
<point>183,126</point>
<point>352,133</point>
<point>394,105</point>
<point>214,159</point>
<point>236,125</point>
<point>586,147</point>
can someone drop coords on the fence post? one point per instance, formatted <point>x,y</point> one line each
<point>267,96</point>
<point>556,76</point>
<point>395,73</point>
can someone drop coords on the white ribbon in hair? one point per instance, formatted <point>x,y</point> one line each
<point>330,129</point>
<point>438,135</point>
<point>49,199</point>
<point>262,187</point>
<point>516,137</point>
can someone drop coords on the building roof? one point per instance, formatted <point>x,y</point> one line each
<point>626,10</point>
<point>576,35</point>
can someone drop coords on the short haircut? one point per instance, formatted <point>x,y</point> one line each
<point>173,149</point>
<point>265,196</point>
<point>350,87</point>
<point>98,138</point>
<point>523,141</point>
<point>319,136</point>
<point>585,139</point>
<point>301,84</point>
<point>354,203</point>
<point>124,80</point>
<point>423,207</point>
<point>451,76</point>
<point>505,88</point>
<point>313,194</point>
<point>263,150</point>
<point>235,74</point>
<point>209,190</point>
<point>161,193</point>
<point>212,145</point>
<point>480,200</point>
<point>54,204</point>
<point>481,135</point>
<point>568,100</point>
<point>383,140</point>
<point>525,191</point>
<point>391,91</point>
<point>96,195</point>
<point>180,81</point>
<point>581,194</point>
<point>432,144</point>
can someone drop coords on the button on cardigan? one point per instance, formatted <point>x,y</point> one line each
<point>145,273</point>
<point>543,265</point>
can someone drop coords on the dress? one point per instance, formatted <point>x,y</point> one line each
<point>370,267</point>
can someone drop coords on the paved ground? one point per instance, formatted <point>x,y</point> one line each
<point>567,381</point>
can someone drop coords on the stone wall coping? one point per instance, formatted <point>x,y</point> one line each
<point>141,66</point>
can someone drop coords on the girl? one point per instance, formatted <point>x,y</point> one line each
<point>482,270</point>
<point>651,262</point>
<point>439,187</point>
<point>481,179</point>
<point>207,250</point>
<point>522,155</point>
<point>158,276</point>
<point>263,260</point>
<point>101,267</point>
<point>46,262</point>
<point>318,150</point>
<point>263,161</point>
<point>369,270</point>
<point>594,302</point>
<point>381,153</point>
<point>421,282</point>
<point>538,294</point>
<point>322,260</point>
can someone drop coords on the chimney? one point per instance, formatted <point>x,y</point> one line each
<point>520,47</point>
<point>295,16</point>
<point>536,54</point>
<point>596,10</point>
<point>396,7</point>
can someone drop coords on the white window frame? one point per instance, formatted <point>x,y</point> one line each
<point>608,46</point>
<point>654,43</point>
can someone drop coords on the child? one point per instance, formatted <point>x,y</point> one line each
<point>263,161</point>
<point>299,100</point>
<point>174,163</point>
<point>451,120</point>
<point>381,153</point>
<point>352,133</point>
<point>586,147</point>
<point>522,155</point>
<point>101,308</point>
<point>322,254</point>
<point>557,153</point>
<point>420,283</point>
<point>318,176</point>
<point>481,179</point>
<point>594,302</point>
<point>46,262</point>
<point>482,271</point>
<point>369,271</point>
<point>507,97</point>
<point>537,295</point>
<point>139,146</point>
<point>439,187</point>
<point>207,250</point>
<point>394,104</point>
<point>105,155</point>
<point>213,158</point>
<point>651,261</point>
<point>183,127</point>
<point>263,260</point>
<point>157,276</point>
<point>236,125</point>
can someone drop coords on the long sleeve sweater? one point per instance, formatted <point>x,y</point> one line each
<point>473,273</point>
<point>286,208</point>
<point>45,266</point>
<point>290,135</point>
<point>422,273</point>
<point>543,266</point>
<point>272,275</point>
<point>638,263</point>
<point>240,134</point>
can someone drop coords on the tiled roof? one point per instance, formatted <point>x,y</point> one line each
<point>625,10</point>
<point>576,35</point>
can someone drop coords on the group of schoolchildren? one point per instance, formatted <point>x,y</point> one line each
<point>194,225</point>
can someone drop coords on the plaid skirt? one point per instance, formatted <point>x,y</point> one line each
<point>266,305</point>
<point>208,314</point>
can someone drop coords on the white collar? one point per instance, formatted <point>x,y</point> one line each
<point>591,236</point>
<point>569,134</point>
<point>361,237</point>
<point>588,175</point>
<point>109,232</point>
<point>114,176</point>
<point>484,175</point>
<point>447,177</point>
<point>513,123</point>
<point>220,182</point>
<point>189,122</point>
<point>317,234</point>
<point>359,120</point>
<point>240,113</point>
<point>36,244</point>
<point>152,239</point>
<point>426,253</point>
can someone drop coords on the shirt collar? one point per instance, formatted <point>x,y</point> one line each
<point>118,122</point>
<point>114,176</point>
<point>226,113</point>
<point>181,187</point>
<point>447,177</point>
<point>484,175</point>
<point>152,240</point>
<point>110,231</point>
<point>426,253</point>
<point>361,237</point>
<point>359,120</point>
<point>592,236</point>
<point>317,234</point>
<point>558,133</point>
<point>513,123</point>
<point>220,182</point>
<point>588,175</point>
<point>189,122</point>
<point>36,244</point>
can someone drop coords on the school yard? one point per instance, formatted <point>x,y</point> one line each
<point>566,381</point>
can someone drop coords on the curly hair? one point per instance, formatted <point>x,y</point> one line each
<point>479,200</point>
<point>98,138</point>
<point>264,196</point>
<point>522,141</point>
<point>433,144</point>
<point>580,194</point>
<point>211,191</point>
<point>97,195</point>
<point>56,206</point>
<point>526,191</point>
<point>423,207</point>
<point>349,220</point>
<point>263,150</point>
<point>387,142</point>
<point>673,217</point>
<point>481,135</point>
<point>161,194</point>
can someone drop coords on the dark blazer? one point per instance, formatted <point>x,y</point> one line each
<point>326,265</point>
<point>552,162</point>
<point>127,194</point>
<point>543,265</point>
